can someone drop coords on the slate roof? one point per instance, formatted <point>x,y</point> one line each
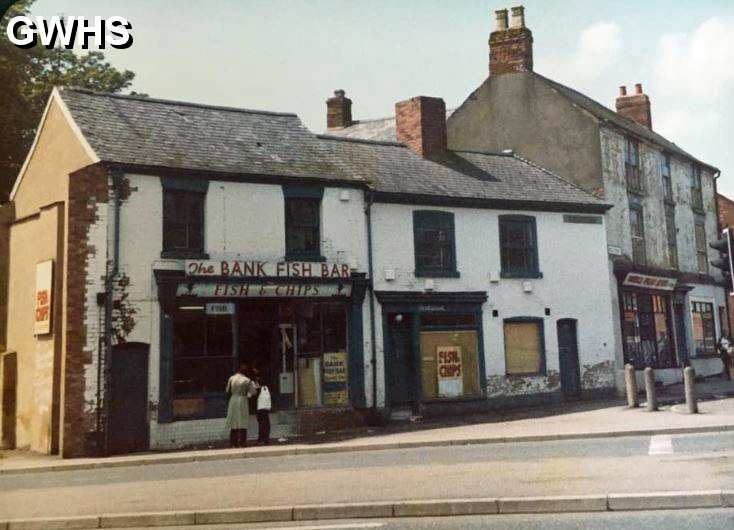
<point>145,131</point>
<point>382,129</point>
<point>503,178</point>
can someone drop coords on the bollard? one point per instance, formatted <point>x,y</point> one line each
<point>631,384</point>
<point>689,381</point>
<point>652,400</point>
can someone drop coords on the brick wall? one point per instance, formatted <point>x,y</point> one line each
<point>726,219</point>
<point>510,51</point>
<point>421,124</point>
<point>88,195</point>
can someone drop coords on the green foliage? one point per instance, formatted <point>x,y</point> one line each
<point>26,80</point>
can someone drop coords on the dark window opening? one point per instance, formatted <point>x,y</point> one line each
<point>667,181</point>
<point>637,230</point>
<point>302,228</point>
<point>696,188</point>
<point>701,250</point>
<point>183,222</point>
<point>648,331</point>
<point>671,233</point>
<point>632,166</point>
<point>518,247</point>
<point>435,247</point>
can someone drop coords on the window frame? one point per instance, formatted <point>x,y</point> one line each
<point>191,188</point>
<point>667,177</point>
<point>541,332</point>
<point>525,273</point>
<point>303,193</point>
<point>641,214</point>
<point>696,184</point>
<point>698,354</point>
<point>672,236</point>
<point>422,219</point>
<point>702,250</point>
<point>633,168</point>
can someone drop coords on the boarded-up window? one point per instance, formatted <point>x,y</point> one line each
<point>524,347</point>
<point>461,342</point>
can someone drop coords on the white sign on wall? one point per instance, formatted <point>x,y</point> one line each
<point>264,290</point>
<point>44,297</point>
<point>266,269</point>
<point>450,371</point>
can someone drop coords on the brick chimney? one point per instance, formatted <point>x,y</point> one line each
<point>421,125</point>
<point>510,49</point>
<point>338,111</point>
<point>635,106</point>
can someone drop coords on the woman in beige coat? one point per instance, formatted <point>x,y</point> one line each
<point>239,389</point>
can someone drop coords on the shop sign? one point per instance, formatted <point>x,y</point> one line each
<point>44,281</point>
<point>266,269</point>
<point>226,308</point>
<point>449,371</point>
<point>634,279</point>
<point>335,378</point>
<point>265,290</point>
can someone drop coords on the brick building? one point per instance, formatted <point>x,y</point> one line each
<point>726,220</point>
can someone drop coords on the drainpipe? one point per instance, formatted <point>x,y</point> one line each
<point>370,270</point>
<point>106,352</point>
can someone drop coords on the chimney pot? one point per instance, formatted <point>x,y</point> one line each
<point>638,88</point>
<point>635,106</point>
<point>421,125</point>
<point>338,110</point>
<point>500,19</point>
<point>623,90</point>
<point>518,17</point>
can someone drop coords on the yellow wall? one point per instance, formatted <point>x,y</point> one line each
<point>37,234</point>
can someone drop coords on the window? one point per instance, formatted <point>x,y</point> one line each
<point>183,222</point>
<point>701,251</point>
<point>667,182</point>
<point>202,351</point>
<point>524,348</point>
<point>435,248</point>
<point>519,247</point>
<point>647,330</point>
<point>632,166</point>
<point>637,230</point>
<point>302,228</point>
<point>704,328</point>
<point>696,188</point>
<point>672,236</point>
<point>723,321</point>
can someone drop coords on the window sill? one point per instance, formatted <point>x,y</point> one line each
<point>523,275</point>
<point>294,256</point>
<point>184,254</point>
<point>437,274</point>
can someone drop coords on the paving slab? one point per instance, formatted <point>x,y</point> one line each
<point>53,523</point>
<point>126,520</point>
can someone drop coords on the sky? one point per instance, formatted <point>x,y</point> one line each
<point>290,55</point>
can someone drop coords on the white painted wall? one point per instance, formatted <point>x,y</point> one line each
<point>572,258</point>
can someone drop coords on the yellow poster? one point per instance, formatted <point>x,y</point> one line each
<point>335,378</point>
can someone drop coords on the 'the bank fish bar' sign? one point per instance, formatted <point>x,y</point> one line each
<point>254,290</point>
<point>266,269</point>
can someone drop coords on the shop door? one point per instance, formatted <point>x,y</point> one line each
<point>128,421</point>
<point>568,356</point>
<point>401,379</point>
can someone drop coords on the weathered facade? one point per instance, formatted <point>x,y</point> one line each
<point>726,220</point>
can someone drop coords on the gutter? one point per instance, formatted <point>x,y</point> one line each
<point>370,270</point>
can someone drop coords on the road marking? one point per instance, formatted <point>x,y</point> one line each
<point>327,527</point>
<point>661,445</point>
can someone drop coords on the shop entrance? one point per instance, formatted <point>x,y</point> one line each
<point>401,364</point>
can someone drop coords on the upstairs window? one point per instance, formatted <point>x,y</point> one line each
<point>667,181</point>
<point>519,247</point>
<point>303,223</point>
<point>632,166</point>
<point>696,188</point>
<point>672,234</point>
<point>701,250</point>
<point>637,231</point>
<point>183,218</point>
<point>435,246</point>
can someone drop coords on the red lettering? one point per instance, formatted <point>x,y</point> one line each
<point>263,289</point>
<point>248,268</point>
<point>307,269</point>
<point>224,267</point>
<point>324,270</point>
<point>281,268</point>
<point>236,269</point>
<point>261,268</point>
<point>220,289</point>
<point>345,271</point>
<point>244,289</point>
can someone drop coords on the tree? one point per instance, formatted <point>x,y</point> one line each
<point>26,80</point>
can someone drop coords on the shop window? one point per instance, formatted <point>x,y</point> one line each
<point>672,236</point>
<point>637,232</point>
<point>518,247</point>
<point>696,188</point>
<point>183,223</point>
<point>701,250</point>
<point>704,328</point>
<point>524,346</point>
<point>435,247</point>
<point>202,351</point>
<point>449,362</point>
<point>647,330</point>
<point>632,166</point>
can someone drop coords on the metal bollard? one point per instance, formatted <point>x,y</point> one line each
<point>652,400</point>
<point>631,384</point>
<point>689,381</point>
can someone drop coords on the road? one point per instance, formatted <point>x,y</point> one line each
<point>594,466</point>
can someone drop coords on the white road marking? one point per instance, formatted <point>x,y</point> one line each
<point>328,527</point>
<point>661,445</point>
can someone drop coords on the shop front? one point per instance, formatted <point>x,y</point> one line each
<point>433,347</point>
<point>299,324</point>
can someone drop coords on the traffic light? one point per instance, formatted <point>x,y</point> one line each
<point>725,246</point>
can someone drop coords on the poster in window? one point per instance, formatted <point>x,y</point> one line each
<point>449,371</point>
<point>44,282</point>
<point>335,377</point>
